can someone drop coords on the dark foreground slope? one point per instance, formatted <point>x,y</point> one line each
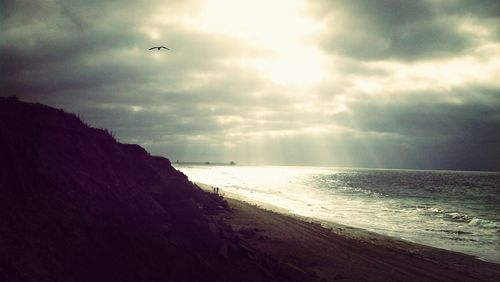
<point>75,205</point>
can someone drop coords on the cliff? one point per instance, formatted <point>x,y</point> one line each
<point>76,205</point>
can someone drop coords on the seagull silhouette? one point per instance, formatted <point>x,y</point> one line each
<point>159,47</point>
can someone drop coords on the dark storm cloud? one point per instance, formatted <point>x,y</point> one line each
<point>406,30</point>
<point>47,48</point>
<point>429,129</point>
<point>431,114</point>
<point>481,8</point>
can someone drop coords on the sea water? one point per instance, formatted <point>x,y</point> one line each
<point>454,210</point>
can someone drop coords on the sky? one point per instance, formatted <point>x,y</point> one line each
<point>383,84</point>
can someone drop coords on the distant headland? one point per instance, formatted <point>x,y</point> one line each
<point>204,163</point>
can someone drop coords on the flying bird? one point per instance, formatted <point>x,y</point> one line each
<point>159,47</point>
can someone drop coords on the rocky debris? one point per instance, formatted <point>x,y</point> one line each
<point>338,277</point>
<point>248,233</point>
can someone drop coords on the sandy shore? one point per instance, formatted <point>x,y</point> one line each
<point>351,254</point>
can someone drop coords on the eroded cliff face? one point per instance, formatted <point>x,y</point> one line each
<point>76,205</point>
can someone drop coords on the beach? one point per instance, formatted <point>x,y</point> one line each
<point>77,205</point>
<point>451,210</point>
<point>342,252</point>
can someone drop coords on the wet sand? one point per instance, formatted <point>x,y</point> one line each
<point>344,253</point>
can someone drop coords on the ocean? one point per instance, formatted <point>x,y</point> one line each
<point>453,210</point>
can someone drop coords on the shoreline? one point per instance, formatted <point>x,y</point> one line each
<point>337,251</point>
<point>447,211</point>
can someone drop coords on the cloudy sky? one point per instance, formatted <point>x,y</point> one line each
<point>399,84</point>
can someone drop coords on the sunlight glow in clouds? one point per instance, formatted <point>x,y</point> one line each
<point>320,82</point>
<point>280,29</point>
